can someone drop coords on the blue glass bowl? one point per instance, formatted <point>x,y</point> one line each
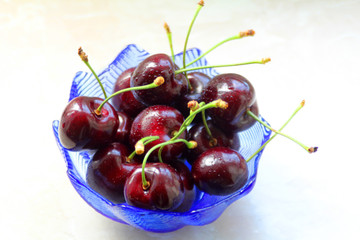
<point>206,208</point>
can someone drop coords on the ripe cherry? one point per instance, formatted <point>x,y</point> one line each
<point>165,190</point>
<point>108,171</point>
<point>189,186</point>
<point>149,69</point>
<point>198,81</point>
<point>204,141</point>
<point>81,128</point>
<point>238,92</point>
<point>220,171</point>
<point>123,130</point>
<point>163,121</point>
<point>126,102</point>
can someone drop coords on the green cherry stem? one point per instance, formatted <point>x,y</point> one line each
<point>238,36</point>
<point>214,104</point>
<point>193,105</point>
<point>207,129</point>
<point>189,144</point>
<point>140,146</point>
<point>195,108</point>
<point>200,5</point>
<point>131,156</point>
<point>262,61</point>
<point>283,126</point>
<point>169,35</point>
<point>157,82</point>
<point>85,59</point>
<point>308,149</point>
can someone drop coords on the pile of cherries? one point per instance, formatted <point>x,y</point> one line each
<point>158,117</point>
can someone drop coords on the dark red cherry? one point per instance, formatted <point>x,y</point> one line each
<point>198,81</point>
<point>238,92</point>
<point>163,121</point>
<point>80,128</point>
<point>189,187</point>
<point>126,102</point>
<point>165,192</point>
<point>148,70</point>
<point>108,171</point>
<point>219,138</point>
<point>220,171</point>
<point>123,131</point>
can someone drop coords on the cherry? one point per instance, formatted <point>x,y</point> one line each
<point>165,190</point>
<point>81,128</point>
<point>219,138</point>
<point>189,187</point>
<point>149,69</point>
<point>126,102</point>
<point>220,171</point>
<point>123,130</point>
<point>108,171</point>
<point>238,92</point>
<point>198,81</point>
<point>163,121</point>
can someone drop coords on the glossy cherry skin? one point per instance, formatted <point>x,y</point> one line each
<point>162,121</point>
<point>166,190</point>
<point>148,70</point>
<point>80,128</point>
<point>220,171</point>
<point>189,186</point>
<point>126,102</point>
<point>198,81</point>
<point>108,171</point>
<point>198,133</point>
<point>123,130</point>
<point>238,92</point>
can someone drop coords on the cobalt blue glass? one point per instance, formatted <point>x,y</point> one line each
<point>205,210</point>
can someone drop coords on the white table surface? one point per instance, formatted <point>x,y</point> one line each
<point>314,46</point>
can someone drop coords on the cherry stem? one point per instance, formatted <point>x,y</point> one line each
<point>200,5</point>
<point>238,36</point>
<point>157,82</point>
<point>214,104</point>
<point>308,149</point>
<point>205,123</point>
<point>193,105</point>
<point>169,35</point>
<point>140,146</point>
<point>283,126</point>
<point>85,59</point>
<point>195,110</point>
<point>189,144</point>
<point>262,61</point>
